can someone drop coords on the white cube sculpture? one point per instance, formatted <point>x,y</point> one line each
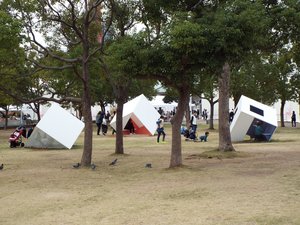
<point>57,129</point>
<point>247,112</point>
<point>142,113</point>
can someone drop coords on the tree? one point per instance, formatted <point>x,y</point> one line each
<point>121,63</point>
<point>173,60</point>
<point>282,68</point>
<point>286,16</point>
<point>253,79</point>
<point>5,103</point>
<point>120,67</point>
<point>72,22</point>
<point>11,58</point>
<point>233,29</point>
<point>224,132</point>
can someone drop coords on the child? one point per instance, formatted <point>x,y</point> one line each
<point>160,129</point>
<point>204,137</point>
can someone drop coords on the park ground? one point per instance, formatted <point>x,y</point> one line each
<point>259,185</point>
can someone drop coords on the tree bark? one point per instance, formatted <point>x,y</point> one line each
<point>36,109</point>
<point>6,119</point>
<point>86,158</point>
<point>88,130</point>
<point>187,116</point>
<point>176,121</point>
<point>119,148</point>
<point>212,111</point>
<point>87,115</point>
<point>282,112</point>
<point>225,143</point>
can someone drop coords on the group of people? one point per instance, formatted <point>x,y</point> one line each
<point>190,133</point>
<point>102,121</point>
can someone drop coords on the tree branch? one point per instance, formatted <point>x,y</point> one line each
<point>40,99</point>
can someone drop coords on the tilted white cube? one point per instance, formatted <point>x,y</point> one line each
<point>57,129</point>
<point>247,112</point>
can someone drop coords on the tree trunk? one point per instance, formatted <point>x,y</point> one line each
<point>282,112</point>
<point>187,116</point>
<point>6,119</point>
<point>86,158</point>
<point>211,116</point>
<point>176,121</point>
<point>236,99</point>
<point>119,149</point>
<point>38,113</point>
<point>225,143</point>
<point>88,131</point>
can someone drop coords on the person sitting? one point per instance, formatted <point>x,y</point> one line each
<point>258,132</point>
<point>186,133</point>
<point>183,130</point>
<point>204,137</point>
<point>192,134</point>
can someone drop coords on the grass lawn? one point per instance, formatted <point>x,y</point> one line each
<point>260,184</point>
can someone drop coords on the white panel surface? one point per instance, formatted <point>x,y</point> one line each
<point>241,126</point>
<point>61,125</point>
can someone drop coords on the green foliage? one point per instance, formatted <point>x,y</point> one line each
<point>11,55</point>
<point>233,29</point>
<point>123,59</point>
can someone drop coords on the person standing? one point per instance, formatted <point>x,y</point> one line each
<point>293,119</point>
<point>111,117</point>
<point>160,129</point>
<point>99,121</point>
<point>107,116</point>
<point>194,122</point>
<point>104,126</point>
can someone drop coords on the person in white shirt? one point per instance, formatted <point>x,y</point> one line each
<point>194,122</point>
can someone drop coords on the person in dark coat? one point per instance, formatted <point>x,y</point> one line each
<point>293,118</point>
<point>99,121</point>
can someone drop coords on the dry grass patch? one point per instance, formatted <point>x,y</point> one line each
<point>219,155</point>
<point>256,185</point>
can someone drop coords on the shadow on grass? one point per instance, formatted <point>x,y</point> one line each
<point>219,155</point>
<point>271,141</point>
<point>119,155</point>
<point>75,147</point>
